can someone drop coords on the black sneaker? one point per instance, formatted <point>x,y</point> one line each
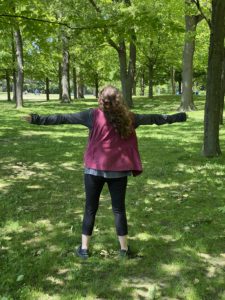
<point>129,254</point>
<point>125,253</point>
<point>83,253</point>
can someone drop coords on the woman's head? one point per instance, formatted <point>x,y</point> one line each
<point>111,103</point>
<point>109,97</point>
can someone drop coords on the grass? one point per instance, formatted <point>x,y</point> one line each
<point>175,211</point>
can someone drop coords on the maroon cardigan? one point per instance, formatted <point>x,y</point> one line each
<point>107,151</point>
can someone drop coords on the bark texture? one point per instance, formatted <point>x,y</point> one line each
<point>47,88</point>
<point>222,88</point>
<point>8,85</point>
<point>60,80</point>
<point>65,70</point>
<point>211,145</point>
<point>74,83</point>
<point>19,68</point>
<point>127,70</point>
<point>150,78</point>
<point>191,21</point>
<point>14,65</point>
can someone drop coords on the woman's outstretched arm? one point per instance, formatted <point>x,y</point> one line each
<point>150,119</point>
<point>83,118</point>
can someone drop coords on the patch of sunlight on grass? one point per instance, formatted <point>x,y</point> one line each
<point>55,281</point>
<point>31,133</point>
<point>183,167</point>
<point>143,236</point>
<point>12,226</point>
<point>190,293</point>
<point>169,238</point>
<point>68,154</point>
<point>46,224</point>
<point>57,134</point>
<point>173,269</point>
<point>68,166</point>
<point>61,225</point>
<point>54,248</point>
<point>19,170</point>
<point>215,263</point>
<point>4,187</point>
<point>34,187</point>
<point>99,246</point>
<point>63,271</point>
<point>162,185</point>
<point>28,293</point>
<point>40,166</point>
<point>34,241</point>
<point>142,288</point>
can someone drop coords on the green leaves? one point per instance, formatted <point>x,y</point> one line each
<point>20,278</point>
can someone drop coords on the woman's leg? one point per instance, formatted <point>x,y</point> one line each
<point>123,242</point>
<point>117,189</point>
<point>93,188</point>
<point>85,241</point>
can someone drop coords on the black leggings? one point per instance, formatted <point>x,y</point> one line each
<point>117,188</point>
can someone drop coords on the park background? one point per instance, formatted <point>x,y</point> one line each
<point>55,57</point>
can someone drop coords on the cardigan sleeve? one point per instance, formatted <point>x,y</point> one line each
<point>84,118</point>
<point>150,119</point>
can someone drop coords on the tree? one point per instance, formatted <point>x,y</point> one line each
<point>19,70</point>
<point>5,59</point>
<point>191,21</point>
<point>201,55</point>
<point>158,43</point>
<point>65,68</point>
<point>211,145</point>
<point>124,41</point>
<point>222,88</point>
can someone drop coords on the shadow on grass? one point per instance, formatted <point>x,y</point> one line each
<point>172,209</point>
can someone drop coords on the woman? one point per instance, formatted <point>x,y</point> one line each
<point>111,156</point>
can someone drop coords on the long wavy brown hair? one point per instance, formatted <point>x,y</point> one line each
<point>116,112</point>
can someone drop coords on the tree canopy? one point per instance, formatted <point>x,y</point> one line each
<point>138,45</point>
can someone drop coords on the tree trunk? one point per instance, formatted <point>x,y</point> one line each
<point>187,103</point>
<point>173,82</point>
<point>124,77</point>
<point>178,78</point>
<point>65,70</point>
<point>180,87</point>
<point>142,84</point>
<point>60,80</point>
<point>134,90</point>
<point>47,88</point>
<point>8,85</point>
<point>150,79</point>
<point>81,90</point>
<point>222,89</point>
<point>191,22</point>
<point>14,69</point>
<point>132,67</point>
<point>14,85</point>
<point>74,83</point>
<point>69,89</point>
<point>96,85</point>
<point>19,60</point>
<point>80,86</point>
<point>211,146</point>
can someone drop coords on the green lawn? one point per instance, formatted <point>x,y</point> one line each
<point>176,211</point>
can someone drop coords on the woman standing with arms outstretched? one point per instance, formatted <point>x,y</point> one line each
<point>111,156</point>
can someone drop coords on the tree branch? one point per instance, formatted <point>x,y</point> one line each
<point>109,40</point>
<point>95,6</point>
<point>56,22</point>
<point>198,5</point>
